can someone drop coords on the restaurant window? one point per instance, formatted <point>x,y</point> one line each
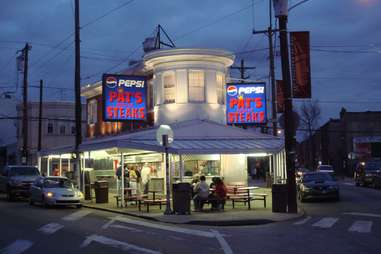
<point>169,87</point>
<point>196,86</point>
<point>220,82</point>
<point>92,112</point>
<point>208,165</point>
<point>62,129</point>
<point>50,128</point>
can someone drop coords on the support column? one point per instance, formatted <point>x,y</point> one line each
<point>122,187</point>
<point>47,167</point>
<point>39,163</point>
<point>181,162</point>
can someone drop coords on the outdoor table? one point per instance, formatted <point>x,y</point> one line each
<point>153,193</point>
<point>248,189</point>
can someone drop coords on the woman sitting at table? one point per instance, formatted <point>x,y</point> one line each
<point>218,197</point>
<point>201,191</point>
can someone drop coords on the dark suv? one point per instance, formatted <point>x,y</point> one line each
<point>16,180</point>
<point>367,173</point>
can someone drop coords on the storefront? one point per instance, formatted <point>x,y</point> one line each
<point>188,94</point>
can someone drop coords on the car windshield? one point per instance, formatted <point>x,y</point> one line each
<point>317,177</point>
<point>58,183</point>
<point>24,171</point>
<point>373,165</point>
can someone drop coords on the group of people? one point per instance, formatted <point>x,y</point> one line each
<point>215,193</point>
<point>136,178</point>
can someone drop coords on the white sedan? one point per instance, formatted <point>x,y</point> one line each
<point>55,190</point>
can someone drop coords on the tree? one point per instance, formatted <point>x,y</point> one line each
<point>309,118</point>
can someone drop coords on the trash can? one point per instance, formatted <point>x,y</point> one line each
<point>182,195</point>
<point>279,198</point>
<point>101,191</point>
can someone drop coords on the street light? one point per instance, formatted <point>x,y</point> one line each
<point>281,12</point>
<point>164,136</point>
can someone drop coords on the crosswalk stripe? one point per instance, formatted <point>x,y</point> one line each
<point>326,222</point>
<point>361,226</point>
<point>50,228</point>
<point>76,216</point>
<point>17,247</point>
<point>301,222</point>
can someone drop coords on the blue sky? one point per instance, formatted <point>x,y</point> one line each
<point>345,41</point>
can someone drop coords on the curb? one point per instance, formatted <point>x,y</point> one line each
<point>222,223</point>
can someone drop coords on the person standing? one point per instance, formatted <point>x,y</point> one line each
<point>145,174</point>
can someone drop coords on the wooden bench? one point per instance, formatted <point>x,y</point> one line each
<point>134,198</point>
<point>235,194</point>
<point>151,202</point>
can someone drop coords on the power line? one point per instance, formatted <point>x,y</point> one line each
<point>107,13</point>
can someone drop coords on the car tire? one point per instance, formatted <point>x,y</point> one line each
<point>78,206</point>
<point>31,202</point>
<point>44,204</point>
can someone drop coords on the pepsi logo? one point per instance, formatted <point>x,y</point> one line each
<point>232,90</point>
<point>111,82</point>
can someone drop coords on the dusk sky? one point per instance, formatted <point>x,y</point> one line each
<point>345,41</point>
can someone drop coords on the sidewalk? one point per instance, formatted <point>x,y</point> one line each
<point>239,216</point>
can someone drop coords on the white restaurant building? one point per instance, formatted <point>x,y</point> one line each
<point>187,92</point>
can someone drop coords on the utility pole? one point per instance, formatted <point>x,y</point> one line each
<point>77,91</point>
<point>270,32</point>
<point>242,70</point>
<point>40,118</point>
<point>281,12</point>
<point>25,129</point>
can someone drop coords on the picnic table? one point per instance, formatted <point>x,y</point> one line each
<point>244,194</point>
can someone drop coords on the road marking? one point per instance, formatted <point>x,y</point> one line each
<point>17,247</point>
<point>76,216</point>
<point>50,228</point>
<point>350,184</point>
<point>361,226</point>
<point>301,222</point>
<point>365,214</point>
<point>176,238</point>
<point>165,227</point>
<point>125,227</point>
<point>116,244</point>
<point>325,222</point>
<point>225,246</point>
<point>108,224</point>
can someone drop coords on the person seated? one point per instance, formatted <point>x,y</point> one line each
<point>218,197</point>
<point>201,190</point>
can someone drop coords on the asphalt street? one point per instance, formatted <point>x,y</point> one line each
<point>352,225</point>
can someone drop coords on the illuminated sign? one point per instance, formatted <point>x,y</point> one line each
<point>245,103</point>
<point>124,97</point>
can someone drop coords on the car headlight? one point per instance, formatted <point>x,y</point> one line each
<point>368,174</point>
<point>49,194</point>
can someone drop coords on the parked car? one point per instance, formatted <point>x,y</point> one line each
<point>368,173</point>
<point>318,185</point>
<point>327,169</point>
<point>15,180</point>
<point>55,190</point>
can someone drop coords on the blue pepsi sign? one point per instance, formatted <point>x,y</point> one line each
<point>246,103</point>
<point>124,97</point>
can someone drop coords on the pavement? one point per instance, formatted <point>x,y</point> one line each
<point>238,216</point>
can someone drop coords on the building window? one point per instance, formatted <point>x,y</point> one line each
<point>220,83</point>
<point>50,128</point>
<point>92,111</point>
<point>62,130</point>
<point>196,86</point>
<point>169,87</point>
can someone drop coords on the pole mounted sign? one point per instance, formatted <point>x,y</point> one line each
<point>124,97</point>
<point>245,103</point>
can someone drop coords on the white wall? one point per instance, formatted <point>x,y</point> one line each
<point>234,169</point>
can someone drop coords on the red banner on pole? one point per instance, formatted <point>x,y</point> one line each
<point>280,96</point>
<point>300,64</point>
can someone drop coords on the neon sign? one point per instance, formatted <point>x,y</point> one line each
<point>245,103</point>
<point>124,97</point>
